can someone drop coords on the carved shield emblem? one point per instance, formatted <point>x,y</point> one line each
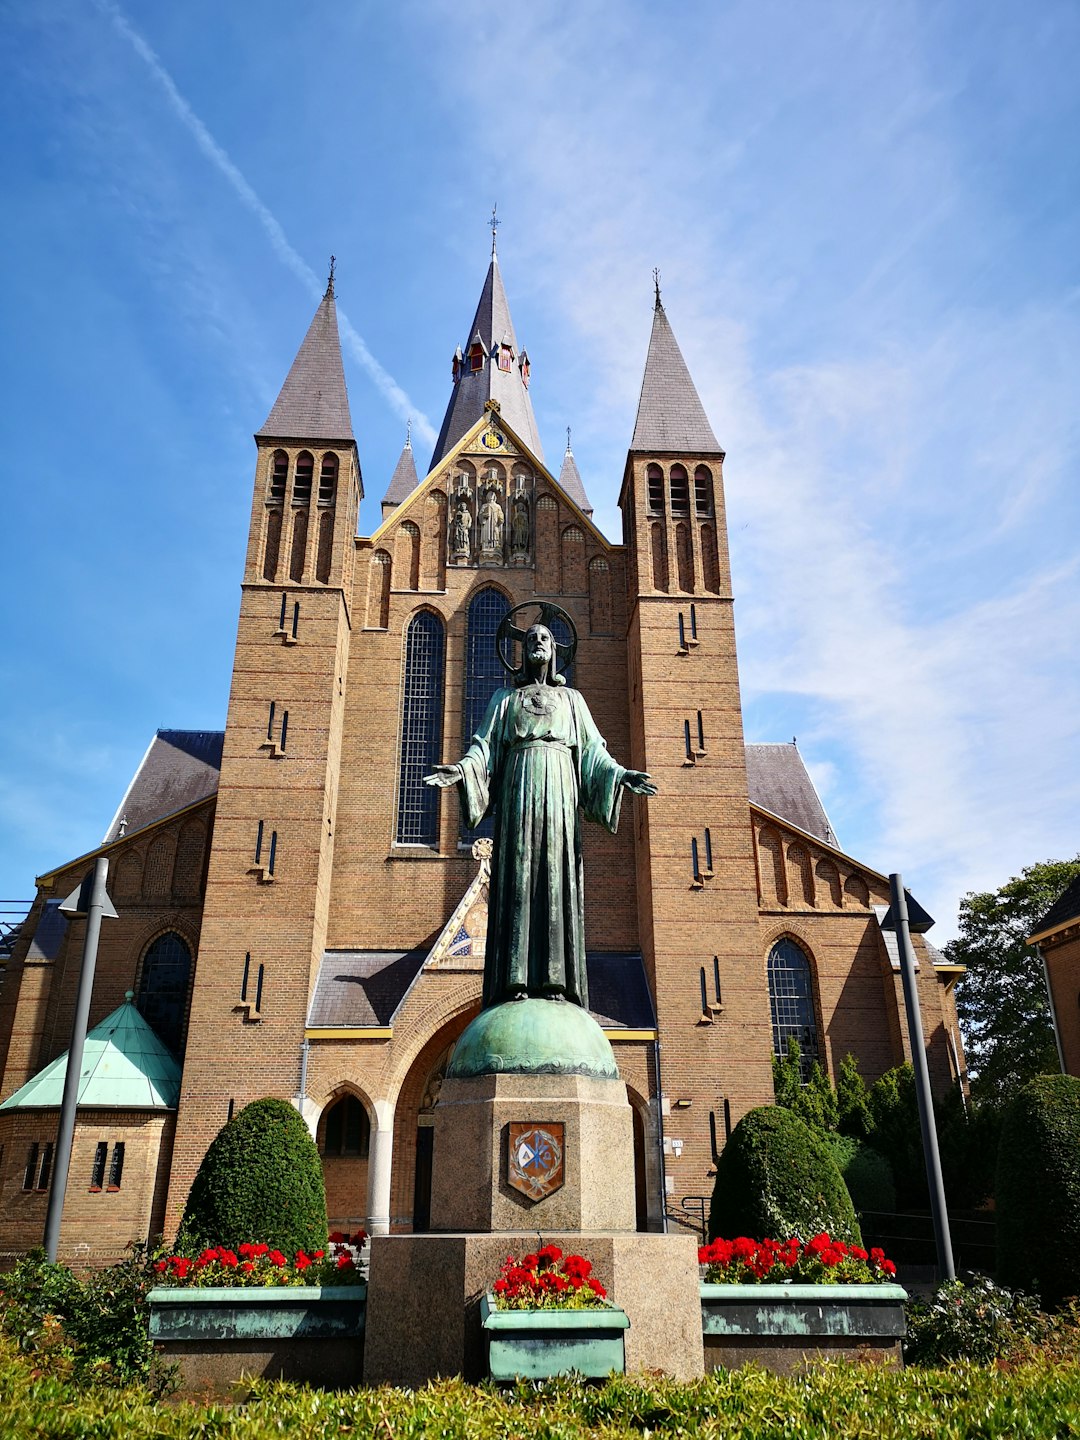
<point>535,1157</point>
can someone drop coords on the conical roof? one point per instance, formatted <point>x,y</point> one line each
<point>403,481</point>
<point>671,419</point>
<point>125,1067</point>
<point>314,404</point>
<point>491,326</point>
<point>570,482</point>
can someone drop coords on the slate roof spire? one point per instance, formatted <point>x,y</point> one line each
<point>570,479</point>
<point>404,479</point>
<point>670,418</point>
<point>314,403</point>
<point>491,330</point>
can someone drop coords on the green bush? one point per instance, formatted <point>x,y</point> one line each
<point>853,1100</point>
<point>867,1174</point>
<point>96,1326</point>
<point>1038,1189</point>
<point>971,1320</point>
<point>776,1178</point>
<point>828,1402</point>
<point>261,1181</point>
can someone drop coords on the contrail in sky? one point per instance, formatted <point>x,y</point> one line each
<point>279,241</point>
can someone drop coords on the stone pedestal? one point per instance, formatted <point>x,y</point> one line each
<point>470,1190</point>
<point>423,1305</point>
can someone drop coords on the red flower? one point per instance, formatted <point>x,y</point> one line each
<point>344,1262</point>
<point>277,1258</point>
<point>161,1266</point>
<point>247,1266</point>
<point>319,1255</point>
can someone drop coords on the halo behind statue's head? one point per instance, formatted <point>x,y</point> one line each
<point>510,634</point>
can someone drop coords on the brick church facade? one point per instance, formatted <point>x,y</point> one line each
<point>300,916</point>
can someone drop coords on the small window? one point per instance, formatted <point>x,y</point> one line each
<point>703,490</point>
<point>163,987</point>
<point>347,1129</point>
<point>305,471</point>
<point>279,473</point>
<point>97,1174</point>
<point>680,491</point>
<point>116,1169</point>
<point>476,356</point>
<point>655,479</point>
<point>45,1168</point>
<point>506,358</point>
<point>328,479</point>
<point>30,1173</point>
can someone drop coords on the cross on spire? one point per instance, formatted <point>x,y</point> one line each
<point>656,284</point>
<point>568,438</point>
<point>330,281</point>
<point>494,222</point>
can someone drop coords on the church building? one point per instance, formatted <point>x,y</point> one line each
<point>299,915</point>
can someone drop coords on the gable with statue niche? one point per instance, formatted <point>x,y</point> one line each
<point>491,506</point>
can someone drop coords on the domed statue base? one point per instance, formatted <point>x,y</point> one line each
<point>533,1129</point>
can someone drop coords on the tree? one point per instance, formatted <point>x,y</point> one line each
<point>1001,1001</point>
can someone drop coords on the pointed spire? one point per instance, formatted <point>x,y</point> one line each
<point>570,479</point>
<point>404,480</point>
<point>670,418</point>
<point>491,329</point>
<point>314,404</point>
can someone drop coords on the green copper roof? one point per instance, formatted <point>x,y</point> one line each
<point>125,1067</point>
<point>534,1037</point>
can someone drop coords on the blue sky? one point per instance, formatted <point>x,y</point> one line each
<point>866,222</point>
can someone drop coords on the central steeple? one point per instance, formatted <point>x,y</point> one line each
<point>489,367</point>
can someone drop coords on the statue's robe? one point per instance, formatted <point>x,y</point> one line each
<point>536,761</point>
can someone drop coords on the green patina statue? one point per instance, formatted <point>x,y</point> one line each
<point>536,762</point>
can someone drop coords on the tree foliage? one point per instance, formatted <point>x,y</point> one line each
<point>1001,1001</point>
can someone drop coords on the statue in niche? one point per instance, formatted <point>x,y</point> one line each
<point>536,762</point>
<point>491,523</point>
<point>519,525</point>
<point>461,530</point>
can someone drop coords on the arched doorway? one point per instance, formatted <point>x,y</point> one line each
<point>425,1134</point>
<point>343,1136</point>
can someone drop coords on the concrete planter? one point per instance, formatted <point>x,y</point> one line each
<point>293,1332</point>
<point>781,1326</point>
<point>537,1344</point>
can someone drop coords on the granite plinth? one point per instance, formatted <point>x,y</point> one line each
<point>469,1188</point>
<point>424,1291</point>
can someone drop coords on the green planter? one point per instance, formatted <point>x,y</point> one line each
<point>537,1344</point>
<point>216,1337</point>
<point>780,1326</point>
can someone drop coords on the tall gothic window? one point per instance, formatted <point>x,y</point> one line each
<point>421,730</point>
<point>483,672</point>
<point>791,1001</point>
<point>163,985</point>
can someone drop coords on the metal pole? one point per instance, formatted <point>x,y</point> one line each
<point>660,1137</point>
<point>66,1131</point>
<point>942,1238</point>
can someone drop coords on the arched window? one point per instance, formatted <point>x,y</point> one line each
<point>483,671</point>
<point>163,984</point>
<point>346,1129</point>
<point>279,473</point>
<point>421,730</point>
<point>328,479</point>
<point>703,490</point>
<point>299,546</point>
<point>680,490</point>
<point>655,480</point>
<point>305,471</point>
<point>791,1001</point>
<point>273,545</point>
<point>561,631</point>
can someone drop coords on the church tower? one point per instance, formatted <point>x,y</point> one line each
<point>696,881</point>
<point>268,883</point>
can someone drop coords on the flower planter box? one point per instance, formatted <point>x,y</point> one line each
<point>781,1326</point>
<point>307,1333</point>
<point>537,1344</point>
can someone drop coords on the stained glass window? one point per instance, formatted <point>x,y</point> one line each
<point>791,1001</point>
<point>421,730</point>
<point>163,988</point>
<point>483,673</point>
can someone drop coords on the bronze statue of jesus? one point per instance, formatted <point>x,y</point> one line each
<point>536,761</point>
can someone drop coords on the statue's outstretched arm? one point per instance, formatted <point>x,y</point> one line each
<point>444,776</point>
<point>639,781</point>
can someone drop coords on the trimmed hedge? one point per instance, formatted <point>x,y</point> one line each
<point>1038,1189</point>
<point>776,1178</point>
<point>830,1402</point>
<point>260,1181</point>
